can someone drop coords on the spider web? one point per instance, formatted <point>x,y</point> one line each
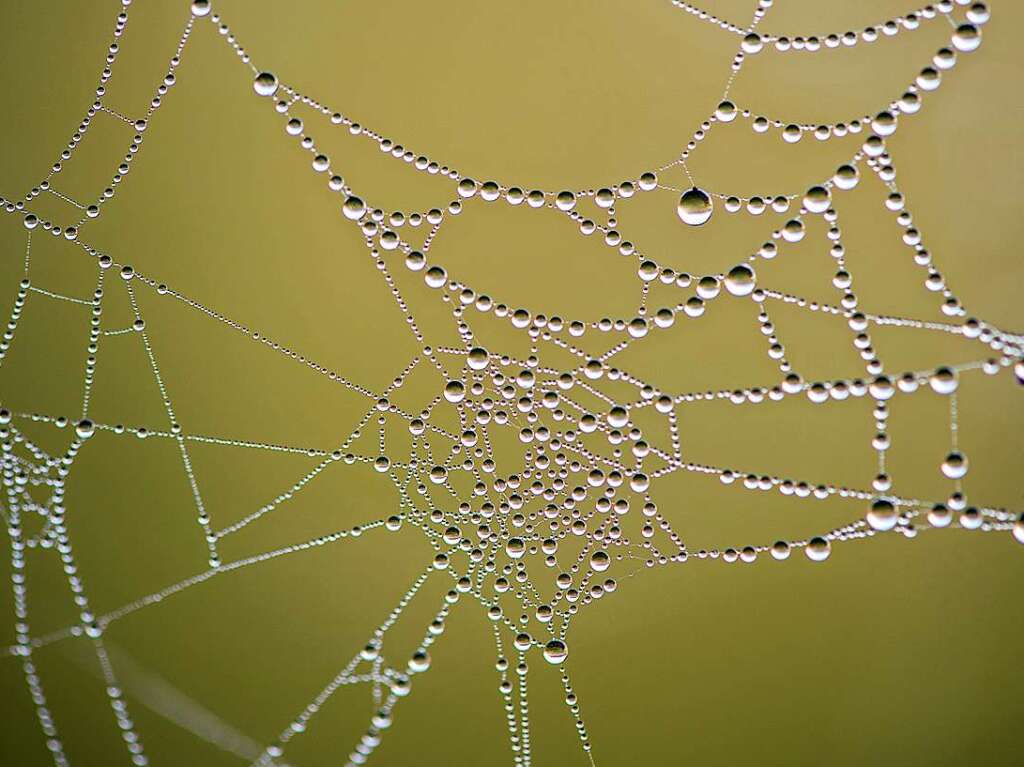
<point>545,462</point>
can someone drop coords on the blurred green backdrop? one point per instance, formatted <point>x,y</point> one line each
<point>893,652</point>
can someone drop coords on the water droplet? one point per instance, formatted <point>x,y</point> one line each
<point>741,280</point>
<point>726,112</point>
<point>708,287</point>
<point>793,230</point>
<point>454,391</point>
<point>353,208</point>
<point>884,123</point>
<point>944,380</point>
<point>415,261</point>
<point>555,652</point>
<point>618,417</point>
<point>780,550</point>
<point>882,515</point>
<point>515,547</point>
<point>846,177</point>
<point>818,549</point>
<point>477,358</point>
<point>265,84</point>
<point>966,38</point>
<point>817,199</point>
<point>436,277</point>
<point>752,43</point>
<point>420,661</point>
<point>940,516</point>
<point>694,207</point>
<point>792,133</point>
<point>955,465</point>
<point>565,201</point>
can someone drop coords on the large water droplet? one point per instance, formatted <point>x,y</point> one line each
<point>817,199</point>
<point>966,38</point>
<point>846,177</point>
<point>454,391</point>
<point>694,207</point>
<point>726,112</point>
<point>265,84</point>
<point>555,652</point>
<point>740,281</point>
<point>515,547</point>
<point>818,549</point>
<point>955,465</point>
<point>477,358</point>
<point>882,515</point>
<point>944,380</point>
<point>780,550</point>
<point>353,208</point>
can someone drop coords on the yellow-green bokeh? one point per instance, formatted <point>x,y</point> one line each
<point>894,652</point>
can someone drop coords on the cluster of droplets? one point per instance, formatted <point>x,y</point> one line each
<point>977,13</point>
<point>695,208</point>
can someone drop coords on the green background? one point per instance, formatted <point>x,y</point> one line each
<point>893,652</point>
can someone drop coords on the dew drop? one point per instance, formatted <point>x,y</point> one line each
<point>818,549</point>
<point>353,208</point>
<point>726,112</point>
<point>565,201</point>
<point>741,280</point>
<point>846,177</point>
<point>943,380</point>
<point>955,465</point>
<point>515,547</point>
<point>265,84</point>
<point>752,43</point>
<point>780,550</point>
<point>555,652</point>
<point>817,199</point>
<point>477,358</point>
<point>618,417</point>
<point>882,515</point>
<point>454,391</point>
<point>694,207</point>
<point>940,516</point>
<point>599,561</point>
<point>419,662</point>
<point>435,277</point>
<point>966,38</point>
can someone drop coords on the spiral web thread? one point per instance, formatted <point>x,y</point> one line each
<point>583,466</point>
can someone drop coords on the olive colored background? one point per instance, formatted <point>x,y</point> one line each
<point>893,652</point>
